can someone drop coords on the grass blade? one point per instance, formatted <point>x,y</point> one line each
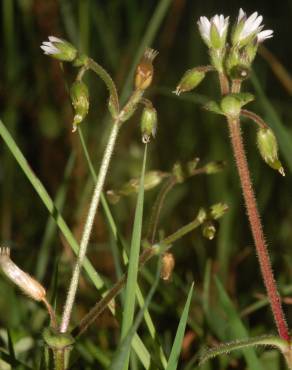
<point>130,295</point>
<point>46,199</point>
<point>51,227</point>
<point>121,356</point>
<point>177,344</point>
<point>237,327</point>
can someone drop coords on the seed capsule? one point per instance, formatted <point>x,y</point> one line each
<point>24,281</point>
<point>80,101</point>
<point>190,80</point>
<point>268,147</point>
<point>148,123</point>
<point>144,71</point>
<point>168,263</point>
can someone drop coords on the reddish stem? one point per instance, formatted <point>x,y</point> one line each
<point>256,228</point>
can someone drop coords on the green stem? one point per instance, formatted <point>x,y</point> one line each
<point>59,359</point>
<point>145,256</point>
<point>102,73</point>
<point>88,228</point>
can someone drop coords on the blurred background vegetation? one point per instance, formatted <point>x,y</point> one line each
<point>36,109</point>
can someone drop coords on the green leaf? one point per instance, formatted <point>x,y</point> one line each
<point>237,327</point>
<point>176,348</point>
<point>131,285</point>
<point>225,348</point>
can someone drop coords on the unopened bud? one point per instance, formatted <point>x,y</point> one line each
<point>190,80</point>
<point>24,281</point>
<point>80,101</point>
<point>168,263</point>
<point>178,172</point>
<point>144,71</point>
<point>59,49</point>
<point>209,230</point>
<point>268,147</point>
<point>214,167</point>
<point>218,210</point>
<point>231,104</point>
<point>148,123</point>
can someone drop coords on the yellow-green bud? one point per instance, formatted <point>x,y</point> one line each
<point>230,106</point>
<point>80,101</point>
<point>178,172</point>
<point>148,123</point>
<point>268,147</point>
<point>191,79</point>
<point>218,210</point>
<point>209,230</point>
<point>214,167</point>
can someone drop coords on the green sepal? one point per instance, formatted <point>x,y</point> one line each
<point>231,104</point>
<point>214,107</point>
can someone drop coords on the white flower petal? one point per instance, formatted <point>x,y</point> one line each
<point>50,49</point>
<point>241,15</point>
<point>55,39</point>
<point>267,34</point>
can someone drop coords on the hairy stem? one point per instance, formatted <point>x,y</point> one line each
<point>256,227</point>
<point>254,117</point>
<point>88,227</point>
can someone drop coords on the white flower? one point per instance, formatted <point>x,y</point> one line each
<point>221,25</point>
<point>248,28</point>
<point>51,47</point>
<point>59,49</point>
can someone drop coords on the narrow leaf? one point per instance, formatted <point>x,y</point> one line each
<point>128,314</point>
<point>121,355</point>
<point>237,327</point>
<point>176,348</point>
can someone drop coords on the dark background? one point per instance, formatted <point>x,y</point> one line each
<point>35,107</point>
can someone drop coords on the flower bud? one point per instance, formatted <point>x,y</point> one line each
<point>148,123</point>
<point>268,147</point>
<point>178,172</point>
<point>191,79</point>
<point>80,101</point>
<point>59,49</point>
<point>214,167</point>
<point>168,263</point>
<point>25,282</point>
<point>144,71</point>
<point>231,104</point>
<point>218,210</point>
<point>209,230</point>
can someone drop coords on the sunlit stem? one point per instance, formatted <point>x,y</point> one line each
<point>88,228</point>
